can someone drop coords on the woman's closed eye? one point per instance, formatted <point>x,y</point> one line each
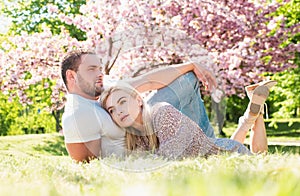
<point>122,101</point>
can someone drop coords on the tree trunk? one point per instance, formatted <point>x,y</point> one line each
<point>57,115</point>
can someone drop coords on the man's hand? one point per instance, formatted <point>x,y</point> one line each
<point>205,76</point>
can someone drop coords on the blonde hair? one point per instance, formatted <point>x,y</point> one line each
<point>131,136</point>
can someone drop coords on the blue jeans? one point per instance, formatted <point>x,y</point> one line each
<point>184,94</point>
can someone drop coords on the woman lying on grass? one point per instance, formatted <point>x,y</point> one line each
<point>164,130</point>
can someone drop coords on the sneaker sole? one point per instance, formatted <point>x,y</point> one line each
<point>269,84</point>
<point>260,94</point>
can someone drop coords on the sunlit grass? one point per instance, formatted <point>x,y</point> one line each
<point>30,166</point>
<point>285,131</point>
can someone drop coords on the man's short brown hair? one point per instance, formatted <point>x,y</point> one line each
<point>72,61</point>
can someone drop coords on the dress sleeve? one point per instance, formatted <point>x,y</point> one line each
<point>178,135</point>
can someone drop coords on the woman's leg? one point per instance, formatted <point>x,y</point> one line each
<point>258,136</point>
<point>242,130</point>
<point>254,108</point>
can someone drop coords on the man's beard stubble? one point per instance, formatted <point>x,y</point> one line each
<point>89,89</point>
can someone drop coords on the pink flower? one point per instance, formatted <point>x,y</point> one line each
<point>52,8</point>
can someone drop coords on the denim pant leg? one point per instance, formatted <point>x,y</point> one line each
<point>184,94</point>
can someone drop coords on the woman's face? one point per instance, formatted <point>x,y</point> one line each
<point>124,109</point>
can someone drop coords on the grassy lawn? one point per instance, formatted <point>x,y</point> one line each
<point>283,137</point>
<point>283,131</point>
<point>39,165</point>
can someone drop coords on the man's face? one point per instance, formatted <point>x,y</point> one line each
<point>89,78</point>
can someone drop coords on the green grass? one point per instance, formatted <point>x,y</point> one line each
<point>287,131</point>
<point>39,165</point>
<point>283,131</point>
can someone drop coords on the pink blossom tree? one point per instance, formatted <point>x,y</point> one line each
<point>244,37</point>
<point>238,40</point>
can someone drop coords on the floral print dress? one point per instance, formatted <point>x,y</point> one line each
<point>181,137</point>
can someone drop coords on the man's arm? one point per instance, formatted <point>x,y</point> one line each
<point>162,77</point>
<point>84,151</point>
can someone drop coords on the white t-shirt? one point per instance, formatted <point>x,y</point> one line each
<point>85,120</point>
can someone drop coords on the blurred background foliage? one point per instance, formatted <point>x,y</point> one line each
<point>32,16</point>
